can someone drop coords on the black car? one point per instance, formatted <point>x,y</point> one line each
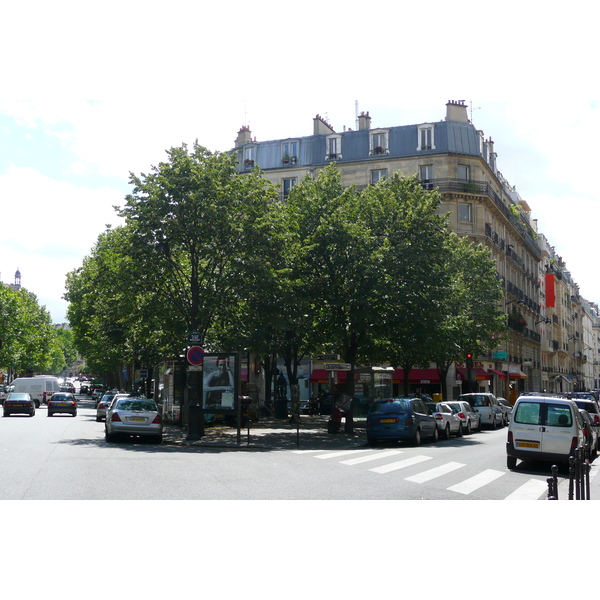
<point>18,403</point>
<point>62,403</point>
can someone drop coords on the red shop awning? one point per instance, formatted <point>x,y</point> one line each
<point>480,374</point>
<point>417,376</point>
<point>319,376</point>
<point>496,372</point>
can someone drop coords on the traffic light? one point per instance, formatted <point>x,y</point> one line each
<point>469,360</point>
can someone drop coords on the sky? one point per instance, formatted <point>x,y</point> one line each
<point>90,93</point>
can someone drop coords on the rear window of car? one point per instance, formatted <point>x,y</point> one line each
<point>140,405</point>
<point>586,405</point>
<point>538,413</point>
<point>397,405</point>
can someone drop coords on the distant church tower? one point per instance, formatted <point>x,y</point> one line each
<point>17,284</point>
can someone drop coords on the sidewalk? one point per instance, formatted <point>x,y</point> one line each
<point>271,434</point>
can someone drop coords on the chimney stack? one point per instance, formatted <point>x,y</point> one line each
<point>244,136</point>
<point>364,121</point>
<point>321,126</point>
<point>456,110</point>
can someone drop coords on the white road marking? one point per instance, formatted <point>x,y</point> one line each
<point>376,456</point>
<point>474,483</point>
<point>433,473</point>
<point>531,490</point>
<point>401,464</point>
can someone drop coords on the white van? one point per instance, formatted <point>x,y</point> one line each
<point>40,388</point>
<point>543,428</point>
<point>487,406</point>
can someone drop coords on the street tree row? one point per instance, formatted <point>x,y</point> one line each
<point>29,344</point>
<point>374,275</point>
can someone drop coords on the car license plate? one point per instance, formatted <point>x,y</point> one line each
<point>62,403</point>
<point>137,419</point>
<point>18,404</point>
<point>528,445</point>
<point>387,420</point>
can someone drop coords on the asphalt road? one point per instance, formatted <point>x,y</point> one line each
<point>66,458</point>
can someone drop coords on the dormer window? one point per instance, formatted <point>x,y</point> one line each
<point>378,142</point>
<point>334,147</point>
<point>249,156</point>
<point>289,153</point>
<point>426,139</point>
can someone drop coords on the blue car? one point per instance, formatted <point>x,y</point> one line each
<point>400,419</point>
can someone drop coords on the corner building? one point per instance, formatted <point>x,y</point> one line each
<point>455,157</point>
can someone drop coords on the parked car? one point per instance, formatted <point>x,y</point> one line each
<point>487,406</point>
<point>62,403</point>
<point>106,396</point>
<point>97,393</point>
<point>19,403</point>
<point>507,408</point>
<point>102,407</point>
<point>84,388</point>
<point>133,416</point>
<point>471,419</point>
<point>591,435</point>
<point>448,421</point>
<point>400,419</point>
<point>2,393</point>
<point>544,428</point>
<point>591,407</point>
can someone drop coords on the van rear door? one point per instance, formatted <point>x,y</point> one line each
<point>560,427</point>
<point>527,426</point>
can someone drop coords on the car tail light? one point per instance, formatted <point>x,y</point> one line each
<point>510,437</point>
<point>585,432</point>
<point>439,417</point>
<point>596,419</point>
<point>574,443</point>
<point>462,415</point>
<point>409,421</point>
<point>115,417</point>
<point>157,420</point>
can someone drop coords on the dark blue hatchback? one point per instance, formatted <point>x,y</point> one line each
<point>400,419</point>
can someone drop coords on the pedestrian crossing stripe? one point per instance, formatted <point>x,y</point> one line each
<point>534,488</point>
<point>408,462</point>
<point>370,457</point>
<point>436,472</point>
<point>474,483</point>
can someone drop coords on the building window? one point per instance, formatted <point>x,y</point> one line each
<point>289,153</point>
<point>377,176</point>
<point>462,172</point>
<point>288,184</point>
<point>249,156</point>
<point>465,213</point>
<point>379,142</point>
<point>334,147</point>
<point>426,137</point>
<point>426,176</point>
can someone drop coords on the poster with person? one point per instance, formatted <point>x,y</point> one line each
<point>219,382</point>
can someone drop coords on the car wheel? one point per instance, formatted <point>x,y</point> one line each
<point>5,414</point>
<point>436,434</point>
<point>469,430</point>
<point>371,442</point>
<point>49,414</point>
<point>447,432</point>
<point>460,431</point>
<point>494,424</point>
<point>109,437</point>
<point>98,419</point>
<point>75,414</point>
<point>417,437</point>
<point>32,413</point>
<point>511,462</point>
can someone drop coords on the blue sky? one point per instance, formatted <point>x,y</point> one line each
<point>90,95</point>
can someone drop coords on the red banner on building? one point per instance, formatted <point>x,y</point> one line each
<point>550,292</point>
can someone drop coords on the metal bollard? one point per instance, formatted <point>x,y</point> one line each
<point>553,484</point>
<point>571,476</point>
<point>587,468</point>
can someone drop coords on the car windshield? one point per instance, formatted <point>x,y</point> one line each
<point>586,404</point>
<point>136,405</point>
<point>19,397</point>
<point>391,405</point>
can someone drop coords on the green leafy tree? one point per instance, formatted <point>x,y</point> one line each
<point>197,229</point>
<point>411,275</point>
<point>471,320</point>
